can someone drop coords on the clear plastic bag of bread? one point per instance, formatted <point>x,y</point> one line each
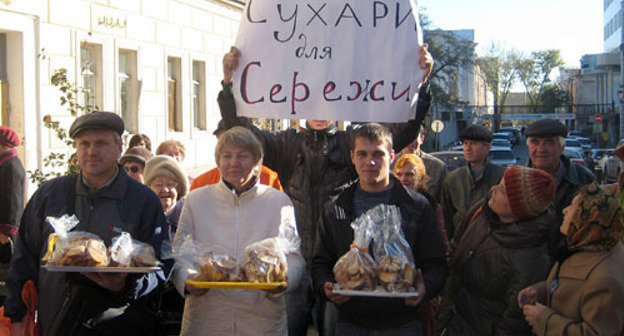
<point>356,269</point>
<point>265,260</point>
<point>73,248</point>
<point>395,262</point>
<point>127,252</point>
<point>205,266</point>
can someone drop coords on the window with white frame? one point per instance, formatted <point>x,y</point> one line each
<point>91,75</point>
<point>174,93</point>
<point>199,95</point>
<point>128,89</point>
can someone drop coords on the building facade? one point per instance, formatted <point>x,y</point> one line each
<point>157,63</point>
<point>612,25</point>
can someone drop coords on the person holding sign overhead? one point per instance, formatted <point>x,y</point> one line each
<point>311,165</point>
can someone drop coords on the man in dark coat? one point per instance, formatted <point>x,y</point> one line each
<point>546,141</point>
<point>467,185</point>
<point>311,165</point>
<point>371,155</point>
<point>106,202</point>
<point>12,177</point>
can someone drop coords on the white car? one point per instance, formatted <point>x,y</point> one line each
<point>503,157</point>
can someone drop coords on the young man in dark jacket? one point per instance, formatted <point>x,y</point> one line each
<point>107,202</point>
<point>311,165</point>
<point>371,153</point>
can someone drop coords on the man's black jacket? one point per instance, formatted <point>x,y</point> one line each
<point>421,233</point>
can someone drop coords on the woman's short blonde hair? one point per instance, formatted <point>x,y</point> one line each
<point>167,144</point>
<point>240,137</point>
<point>419,168</point>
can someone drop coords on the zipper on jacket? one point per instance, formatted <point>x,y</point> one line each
<point>236,227</point>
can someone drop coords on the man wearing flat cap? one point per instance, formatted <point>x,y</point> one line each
<point>106,202</point>
<point>546,141</point>
<point>465,186</point>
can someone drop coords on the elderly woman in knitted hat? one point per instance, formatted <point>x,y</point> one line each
<point>584,293</point>
<point>165,176</point>
<point>502,250</point>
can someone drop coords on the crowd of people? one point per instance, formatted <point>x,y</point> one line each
<point>533,249</point>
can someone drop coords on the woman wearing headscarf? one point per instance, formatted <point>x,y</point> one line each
<point>584,293</point>
<point>12,177</point>
<point>501,251</point>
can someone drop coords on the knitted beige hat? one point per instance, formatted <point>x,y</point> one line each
<point>165,165</point>
<point>529,191</point>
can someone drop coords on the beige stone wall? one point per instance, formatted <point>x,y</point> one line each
<point>200,30</point>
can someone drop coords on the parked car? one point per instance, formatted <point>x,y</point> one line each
<point>576,145</point>
<point>456,148</point>
<point>598,153</point>
<point>501,143</point>
<point>586,143</point>
<point>453,159</point>
<point>513,132</point>
<point>502,135</point>
<point>502,157</point>
<point>574,155</point>
<point>575,133</point>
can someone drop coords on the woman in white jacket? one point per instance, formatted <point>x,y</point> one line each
<point>225,218</point>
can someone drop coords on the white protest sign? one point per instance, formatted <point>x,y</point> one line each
<point>329,59</point>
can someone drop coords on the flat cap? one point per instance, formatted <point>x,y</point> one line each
<point>136,154</point>
<point>545,128</point>
<point>97,120</point>
<point>476,133</point>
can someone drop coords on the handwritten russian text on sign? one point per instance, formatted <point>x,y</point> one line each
<point>332,59</point>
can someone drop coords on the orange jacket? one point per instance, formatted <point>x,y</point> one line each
<point>267,177</point>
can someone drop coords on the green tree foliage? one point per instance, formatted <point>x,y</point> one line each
<point>498,68</point>
<point>553,96</point>
<point>534,73</point>
<point>450,53</point>
<point>61,163</point>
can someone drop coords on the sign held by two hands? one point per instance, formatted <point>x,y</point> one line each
<point>329,59</point>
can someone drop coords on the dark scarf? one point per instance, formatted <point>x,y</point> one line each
<point>9,154</point>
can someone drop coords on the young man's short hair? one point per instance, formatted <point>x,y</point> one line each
<point>373,132</point>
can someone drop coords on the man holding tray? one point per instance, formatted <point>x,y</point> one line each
<point>106,202</point>
<point>371,153</point>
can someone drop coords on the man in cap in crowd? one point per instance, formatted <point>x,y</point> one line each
<point>106,202</point>
<point>133,162</point>
<point>12,176</point>
<point>434,168</point>
<point>467,185</point>
<point>546,141</point>
<point>267,176</point>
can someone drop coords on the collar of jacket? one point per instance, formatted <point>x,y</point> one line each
<point>226,190</point>
<point>6,155</point>
<point>571,175</point>
<point>330,130</point>
<point>580,264</point>
<point>117,189</point>
<point>399,195</point>
<point>486,171</point>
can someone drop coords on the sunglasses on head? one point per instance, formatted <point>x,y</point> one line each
<point>132,169</point>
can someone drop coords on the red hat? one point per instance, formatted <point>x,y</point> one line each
<point>8,137</point>
<point>529,191</point>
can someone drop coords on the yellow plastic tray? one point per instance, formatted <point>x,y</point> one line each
<point>236,285</point>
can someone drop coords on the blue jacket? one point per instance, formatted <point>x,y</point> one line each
<point>68,301</point>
